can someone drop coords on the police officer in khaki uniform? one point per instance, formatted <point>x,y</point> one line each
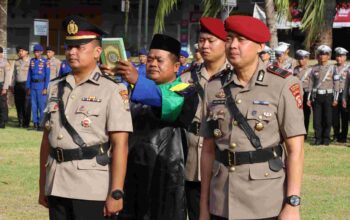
<point>211,44</point>
<point>5,80</point>
<point>265,55</point>
<point>283,60</point>
<point>84,147</point>
<point>54,62</point>
<point>302,72</point>
<point>250,112</point>
<point>340,114</point>
<point>324,92</point>
<point>19,78</point>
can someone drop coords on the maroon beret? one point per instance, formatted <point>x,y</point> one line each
<point>213,26</point>
<point>248,27</point>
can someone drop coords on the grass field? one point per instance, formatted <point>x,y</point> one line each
<point>325,193</point>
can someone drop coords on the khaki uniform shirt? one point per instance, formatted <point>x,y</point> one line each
<point>288,64</point>
<point>93,120</point>
<point>54,67</point>
<point>252,191</point>
<point>342,72</point>
<point>20,71</point>
<point>195,142</point>
<point>303,75</point>
<point>320,80</point>
<point>5,75</point>
<point>346,90</point>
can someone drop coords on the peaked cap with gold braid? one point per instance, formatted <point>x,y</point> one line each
<point>80,31</point>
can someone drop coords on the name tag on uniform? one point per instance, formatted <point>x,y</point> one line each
<point>219,102</point>
<point>257,102</point>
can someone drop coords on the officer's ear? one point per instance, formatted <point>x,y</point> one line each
<point>97,52</point>
<point>261,48</point>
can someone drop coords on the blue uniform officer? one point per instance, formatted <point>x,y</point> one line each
<point>183,62</point>
<point>141,68</point>
<point>37,82</point>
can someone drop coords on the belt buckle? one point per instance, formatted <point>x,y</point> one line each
<point>231,163</point>
<point>59,154</point>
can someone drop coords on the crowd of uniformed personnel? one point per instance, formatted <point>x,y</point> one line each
<point>215,139</point>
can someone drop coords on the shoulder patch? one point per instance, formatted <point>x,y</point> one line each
<point>59,77</point>
<point>278,71</point>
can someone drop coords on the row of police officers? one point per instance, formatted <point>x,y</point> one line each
<point>325,88</point>
<point>28,82</point>
<point>216,143</point>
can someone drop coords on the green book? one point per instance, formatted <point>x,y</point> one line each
<point>113,50</point>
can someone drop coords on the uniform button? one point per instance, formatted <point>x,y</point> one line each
<point>232,169</point>
<point>239,101</point>
<point>217,133</point>
<point>266,174</point>
<point>233,145</point>
<point>200,145</point>
<point>235,123</point>
<point>60,136</point>
<point>260,117</point>
<point>72,96</point>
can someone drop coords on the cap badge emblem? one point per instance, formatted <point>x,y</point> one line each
<point>72,28</point>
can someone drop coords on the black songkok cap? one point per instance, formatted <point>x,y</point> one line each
<point>79,31</point>
<point>167,43</point>
<point>22,48</point>
<point>49,48</point>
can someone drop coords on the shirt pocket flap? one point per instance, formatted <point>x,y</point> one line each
<point>91,165</point>
<point>259,113</point>
<point>88,111</point>
<point>261,171</point>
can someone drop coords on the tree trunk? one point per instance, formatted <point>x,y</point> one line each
<point>271,22</point>
<point>139,23</point>
<point>3,24</point>
<point>126,18</point>
<point>325,36</point>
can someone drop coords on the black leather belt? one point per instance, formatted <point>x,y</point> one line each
<point>81,153</point>
<point>229,158</point>
<point>38,80</point>
<point>194,128</point>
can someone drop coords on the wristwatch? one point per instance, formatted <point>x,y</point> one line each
<point>293,200</point>
<point>117,194</point>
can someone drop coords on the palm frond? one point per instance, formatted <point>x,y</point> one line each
<point>211,7</point>
<point>164,9</point>
<point>313,19</point>
<point>282,8</point>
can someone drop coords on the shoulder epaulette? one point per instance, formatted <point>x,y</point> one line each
<point>278,71</point>
<point>58,77</point>
<point>104,75</point>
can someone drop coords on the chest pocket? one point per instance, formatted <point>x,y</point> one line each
<point>218,121</point>
<point>259,117</point>
<point>86,118</point>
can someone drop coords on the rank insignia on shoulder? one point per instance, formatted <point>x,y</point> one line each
<point>278,71</point>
